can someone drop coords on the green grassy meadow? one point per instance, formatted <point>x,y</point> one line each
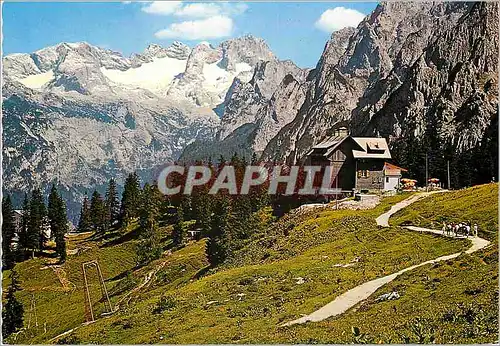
<point>298,264</point>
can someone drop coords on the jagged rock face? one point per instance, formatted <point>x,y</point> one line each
<point>279,111</point>
<point>79,143</point>
<point>335,47</point>
<point>318,85</point>
<point>268,74</point>
<point>77,115</point>
<point>243,104</point>
<point>65,67</point>
<point>447,102</point>
<point>420,72</point>
<point>240,107</point>
<point>254,112</point>
<point>177,50</point>
<point>247,49</point>
<point>210,71</point>
<point>190,83</point>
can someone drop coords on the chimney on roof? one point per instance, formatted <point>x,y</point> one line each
<point>342,132</point>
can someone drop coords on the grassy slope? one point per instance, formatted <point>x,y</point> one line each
<point>246,300</point>
<point>455,301</point>
<point>61,308</point>
<point>58,308</point>
<point>450,302</point>
<point>247,303</point>
<point>478,204</point>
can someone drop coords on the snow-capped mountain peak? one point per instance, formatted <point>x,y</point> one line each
<point>77,114</point>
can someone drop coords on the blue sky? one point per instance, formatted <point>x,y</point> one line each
<point>294,30</point>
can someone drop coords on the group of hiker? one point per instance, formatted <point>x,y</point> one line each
<point>463,228</point>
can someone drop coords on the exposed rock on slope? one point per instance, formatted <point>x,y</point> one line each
<point>254,112</point>
<point>243,103</point>
<point>77,115</point>
<point>177,50</point>
<point>210,71</point>
<point>80,144</point>
<point>447,103</point>
<point>424,73</point>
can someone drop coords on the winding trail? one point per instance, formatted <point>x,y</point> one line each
<point>147,280</point>
<point>359,293</point>
<point>383,220</point>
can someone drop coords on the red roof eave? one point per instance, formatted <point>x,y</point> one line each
<point>388,165</point>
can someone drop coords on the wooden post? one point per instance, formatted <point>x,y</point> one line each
<point>336,191</point>
<point>356,175</point>
<point>104,291</point>
<point>89,313</point>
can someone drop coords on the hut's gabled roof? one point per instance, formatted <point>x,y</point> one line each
<point>373,148</point>
<point>364,147</point>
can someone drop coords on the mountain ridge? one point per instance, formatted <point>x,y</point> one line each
<point>386,65</point>
<point>77,115</point>
<point>406,73</point>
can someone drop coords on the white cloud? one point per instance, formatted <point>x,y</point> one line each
<point>194,10</point>
<point>199,10</point>
<point>338,18</point>
<point>162,7</point>
<point>209,28</point>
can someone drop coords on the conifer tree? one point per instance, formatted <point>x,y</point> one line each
<point>254,160</point>
<point>58,221</point>
<point>23,231</point>
<point>37,226</point>
<point>12,314</point>
<point>221,162</point>
<point>178,233</point>
<point>241,206</point>
<point>112,203</point>
<point>187,208</point>
<point>85,223</point>
<point>219,242</point>
<point>98,213</point>
<point>131,198</point>
<point>242,211</point>
<point>8,231</point>
<point>42,208</point>
<point>149,247</point>
<point>202,206</point>
<point>52,208</point>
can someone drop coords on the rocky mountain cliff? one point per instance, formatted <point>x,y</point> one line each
<point>424,76</point>
<point>254,111</point>
<point>76,115</point>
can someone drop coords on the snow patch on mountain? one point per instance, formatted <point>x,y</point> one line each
<point>218,80</point>
<point>155,76</point>
<point>76,114</point>
<point>37,81</point>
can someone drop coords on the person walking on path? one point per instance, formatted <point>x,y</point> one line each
<point>475,230</point>
<point>444,228</point>
<point>467,229</point>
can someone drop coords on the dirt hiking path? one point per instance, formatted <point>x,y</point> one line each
<point>359,293</point>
